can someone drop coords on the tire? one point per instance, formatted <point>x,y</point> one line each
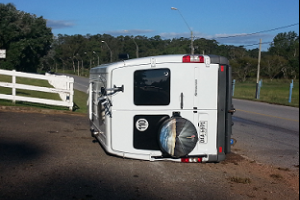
<point>177,137</point>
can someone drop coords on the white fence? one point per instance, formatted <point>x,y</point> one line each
<point>63,85</point>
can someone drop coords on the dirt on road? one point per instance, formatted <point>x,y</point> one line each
<point>46,154</point>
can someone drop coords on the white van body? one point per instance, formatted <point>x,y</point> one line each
<point>133,105</point>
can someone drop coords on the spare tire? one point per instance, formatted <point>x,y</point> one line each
<point>177,137</point>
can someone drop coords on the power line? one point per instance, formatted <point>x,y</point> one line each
<point>271,42</point>
<point>241,35</point>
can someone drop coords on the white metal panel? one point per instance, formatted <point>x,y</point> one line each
<point>208,87</point>
<point>122,132</point>
<point>182,81</point>
<point>209,116</point>
<point>123,76</point>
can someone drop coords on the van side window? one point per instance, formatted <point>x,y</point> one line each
<point>152,87</point>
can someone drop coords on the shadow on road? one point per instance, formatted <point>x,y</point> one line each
<point>14,153</point>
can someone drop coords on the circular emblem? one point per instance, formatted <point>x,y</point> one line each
<point>142,124</point>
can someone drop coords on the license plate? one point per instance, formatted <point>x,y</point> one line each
<point>203,132</point>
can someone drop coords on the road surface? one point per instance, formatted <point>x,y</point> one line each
<point>267,133</point>
<point>48,155</point>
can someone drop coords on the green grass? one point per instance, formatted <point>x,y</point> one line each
<point>80,98</point>
<point>28,93</point>
<point>276,92</point>
<point>82,72</point>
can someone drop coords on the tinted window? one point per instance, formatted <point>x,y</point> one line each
<point>152,87</point>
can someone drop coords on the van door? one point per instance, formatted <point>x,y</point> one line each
<point>146,91</point>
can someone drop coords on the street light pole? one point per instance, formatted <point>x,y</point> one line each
<point>77,63</point>
<point>192,36</point>
<point>89,59</point>
<point>97,56</point>
<point>136,45</point>
<point>109,50</point>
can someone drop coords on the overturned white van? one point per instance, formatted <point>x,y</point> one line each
<point>170,107</point>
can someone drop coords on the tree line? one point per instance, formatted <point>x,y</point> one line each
<point>31,46</point>
<point>25,37</point>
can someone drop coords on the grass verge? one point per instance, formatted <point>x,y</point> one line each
<point>276,92</point>
<point>80,98</point>
<point>80,104</point>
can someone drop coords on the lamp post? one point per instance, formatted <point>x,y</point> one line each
<point>192,40</point>
<point>89,59</point>
<point>109,50</point>
<point>81,64</point>
<point>77,65</point>
<point>63,64</point>
<point>136,46</point>
<point>97,56</point>
<point>72,59</point>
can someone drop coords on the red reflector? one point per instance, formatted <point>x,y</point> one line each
<point>193,59</point>
<point>220,149</point>
<point>222,68</point>
<point>191,160</point>
<point>185,160</point>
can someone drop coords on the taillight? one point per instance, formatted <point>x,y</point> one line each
<point>222,68</point>
<point>220,149</point>
<point>193,59</point>
<point>191,160</point>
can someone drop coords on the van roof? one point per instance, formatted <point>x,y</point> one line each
<point>215,59</point>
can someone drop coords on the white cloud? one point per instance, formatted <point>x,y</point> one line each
<point>184,35</point>
<point>59,24</point>
<point>130,32</point>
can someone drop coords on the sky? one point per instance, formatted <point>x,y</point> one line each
<point>212,19</point>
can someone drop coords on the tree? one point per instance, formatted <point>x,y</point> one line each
<point>284,44</point>
<point>243,67</point>
<point>25,37</point>
<point>287,46</point>
<point>274,65</point>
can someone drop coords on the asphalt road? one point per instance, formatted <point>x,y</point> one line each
<point>51,156</point>
<point>80,83</point>
<point>267,133</point>
<point>46,156</point>
<point>264,132</point>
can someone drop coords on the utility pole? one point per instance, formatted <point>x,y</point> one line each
<point>192,43</point>
<point>258,69</point>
